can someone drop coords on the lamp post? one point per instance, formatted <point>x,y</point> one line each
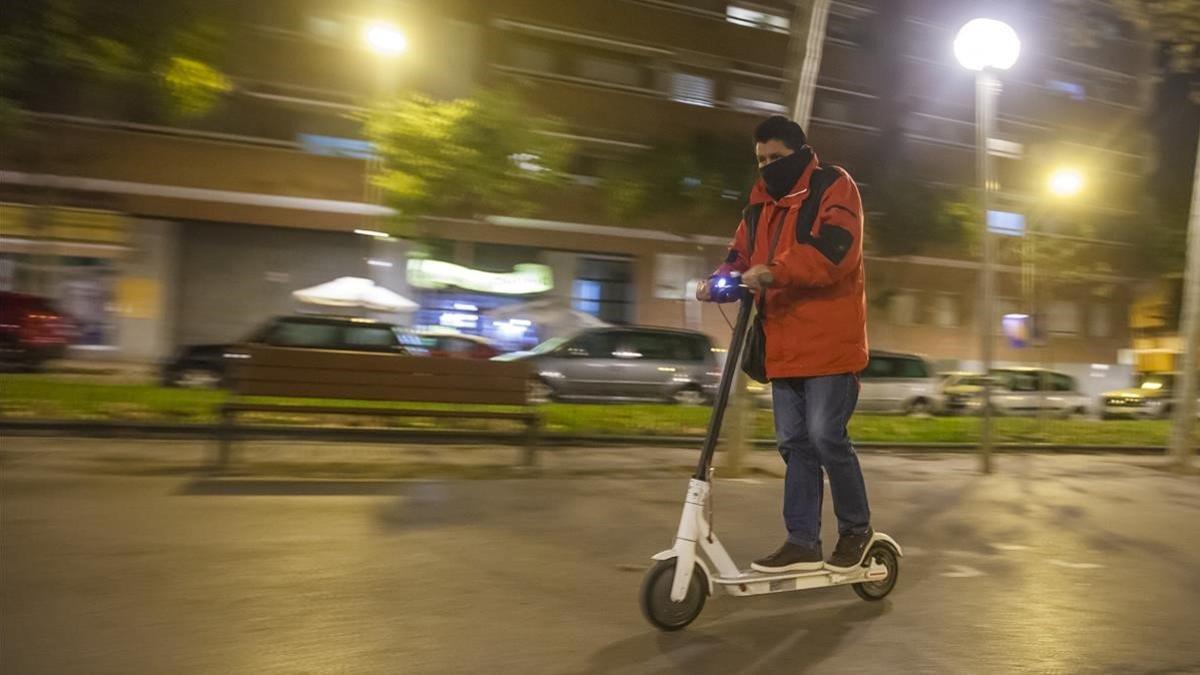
<point>986,46</point>
<point>386,257</point>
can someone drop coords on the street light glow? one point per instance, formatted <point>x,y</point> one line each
<point>385,39</point>
<point>1066,182</point>
<point>986,43</point>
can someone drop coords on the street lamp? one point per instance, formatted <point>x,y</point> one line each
<point>1065,182</point>
<point>985,46</point>
<point>384,39</point>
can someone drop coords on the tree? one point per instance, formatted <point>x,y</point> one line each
<point>167,50</point>
<point>1174,26</point>
<point>913,216</point>
<point>702,176</point>
<point>464,157</point>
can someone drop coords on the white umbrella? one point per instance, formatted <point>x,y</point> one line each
<point>355,292</point>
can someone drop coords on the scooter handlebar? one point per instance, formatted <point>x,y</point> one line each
<point>726,289</point>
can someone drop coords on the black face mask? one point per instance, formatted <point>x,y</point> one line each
<point>781,175</point>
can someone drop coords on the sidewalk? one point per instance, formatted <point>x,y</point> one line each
<point>316,460</point>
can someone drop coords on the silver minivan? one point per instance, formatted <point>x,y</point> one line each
<point>624,364</point>
<point>891,383</point>
<point>899,383</point>
<point>1017,391</point>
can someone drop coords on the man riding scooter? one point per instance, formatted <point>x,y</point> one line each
<point>810,282</point>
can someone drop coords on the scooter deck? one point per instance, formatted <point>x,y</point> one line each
<point>751,582</point>
<point>754,576</point>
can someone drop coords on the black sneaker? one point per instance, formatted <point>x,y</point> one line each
<point>790,558</point>
<point>849,551</point>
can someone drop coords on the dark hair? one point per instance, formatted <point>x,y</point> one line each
<point>780,128</point>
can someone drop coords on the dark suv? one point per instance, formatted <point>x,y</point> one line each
<point>206,365</point>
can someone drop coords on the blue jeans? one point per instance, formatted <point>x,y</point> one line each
<point>811,414</point>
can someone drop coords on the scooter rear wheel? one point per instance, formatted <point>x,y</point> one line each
<point>656,602</point>
<point>878,590</point>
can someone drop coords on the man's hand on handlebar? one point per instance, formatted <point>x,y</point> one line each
<point>758,278</point>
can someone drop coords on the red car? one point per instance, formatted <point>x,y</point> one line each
<point>452,345</point>
<point>32,331</point>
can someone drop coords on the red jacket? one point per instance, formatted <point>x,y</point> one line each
<point>816,310</point>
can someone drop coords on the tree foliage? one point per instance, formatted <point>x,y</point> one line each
<point>702,176</point>
<point>1173,24</point>
<point>171,47</point>
<point>464,157</point>
<point>910,216</point>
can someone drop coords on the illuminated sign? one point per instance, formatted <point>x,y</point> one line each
<point>1006,223</point>
<point>523,280</point>
<point>1018,328</point>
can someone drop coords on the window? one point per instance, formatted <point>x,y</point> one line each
<point>1059,382</point>
<point>698,348</point>
<point>1073,90</point>
<point>832,109</point>
<point>1063,317</point>
<point>1100,321</point>
<point>609,70</point>
<point>586,296</point>
<point>945,310</point>
<point>846,29</point>
<point>911,368</point>
<point>673,273</point>
<point>880,366</point>
<point>305,334</point>
<point>902,309</point>
<point>652,346</point>
<point>755,98</point>
<point>692,89</point>
<point>756,17</point>
<point>369,337</point>
<point>600,345</point>
<point>1016,380</point>
<point>603,288</point>
<point>531,57</point>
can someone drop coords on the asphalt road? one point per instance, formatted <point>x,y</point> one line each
<point>1069,564</point>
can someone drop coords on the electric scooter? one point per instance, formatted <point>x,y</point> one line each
<point>676,586</point>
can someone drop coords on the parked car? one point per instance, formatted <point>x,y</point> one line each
<point>891,383</point>
<point>1019,391</point>
<point>624,364</point>
<point>207,365</point>
<point>1151,398</point>
<point>32,331</point>
<point>451,345</point>
<point>899,383</point>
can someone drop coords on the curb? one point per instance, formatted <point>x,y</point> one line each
<point>98,429</point>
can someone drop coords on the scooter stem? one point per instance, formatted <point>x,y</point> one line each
<point>733,361</point>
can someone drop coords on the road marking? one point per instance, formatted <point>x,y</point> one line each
<point>962,572</point>
<point>752,481</point>
<point>1011,547</point>
<point>1075,565</point>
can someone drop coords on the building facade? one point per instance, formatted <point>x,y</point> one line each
<point>211,224</point>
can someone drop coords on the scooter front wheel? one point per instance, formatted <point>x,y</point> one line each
<point>656,602</point>
<point>885,555</point>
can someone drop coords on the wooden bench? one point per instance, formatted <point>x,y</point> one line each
<point>367,376</point>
